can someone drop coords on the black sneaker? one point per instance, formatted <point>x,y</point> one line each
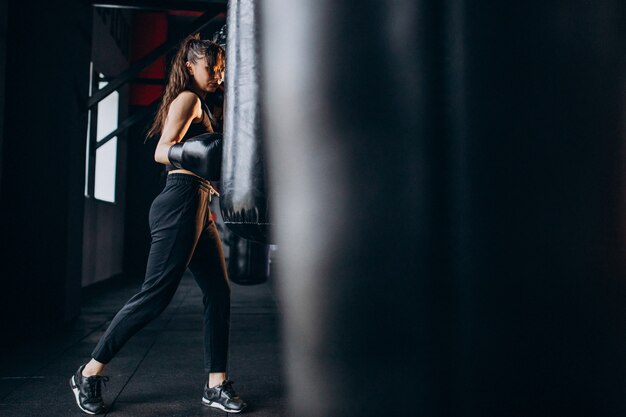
<point>87,391</point>
<point>223,397</point>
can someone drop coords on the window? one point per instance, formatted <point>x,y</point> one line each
<point>101,123</point>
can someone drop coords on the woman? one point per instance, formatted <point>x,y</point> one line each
<point>183,235</point>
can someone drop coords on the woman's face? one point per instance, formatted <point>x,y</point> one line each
<point>208,79</point>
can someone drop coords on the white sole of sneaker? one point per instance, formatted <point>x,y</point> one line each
<point>218,405</point>
<point>76,392</point>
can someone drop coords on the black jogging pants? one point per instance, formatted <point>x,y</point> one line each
<point>183,235</point>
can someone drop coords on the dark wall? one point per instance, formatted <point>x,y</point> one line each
<point>104,224</point>
<point>3,51</point>
<point>449,192</point>
<point>41,210</point>
<point>145,179</point>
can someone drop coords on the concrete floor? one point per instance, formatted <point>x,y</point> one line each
<point>159,372</point>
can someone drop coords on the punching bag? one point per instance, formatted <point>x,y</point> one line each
<point>243,203</point>
<point>248,261</point>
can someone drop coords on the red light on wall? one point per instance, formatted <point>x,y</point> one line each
<point>185,13</point>
<point>149,32</point>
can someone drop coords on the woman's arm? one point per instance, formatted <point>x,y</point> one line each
<point>183,110</point>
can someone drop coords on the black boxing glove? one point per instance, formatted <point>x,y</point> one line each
<point>200,154</point>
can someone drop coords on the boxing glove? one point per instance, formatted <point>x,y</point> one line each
<point>200,154</point>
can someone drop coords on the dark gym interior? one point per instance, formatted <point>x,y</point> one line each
<point>439,206</point>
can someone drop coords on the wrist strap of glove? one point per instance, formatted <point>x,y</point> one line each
<point>175,154</point>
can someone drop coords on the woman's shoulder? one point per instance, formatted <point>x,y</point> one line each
<point>187,96</point>
<point>187,101</point>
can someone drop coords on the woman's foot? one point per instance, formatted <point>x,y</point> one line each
<point>223,397</point>
<point>87,391</point>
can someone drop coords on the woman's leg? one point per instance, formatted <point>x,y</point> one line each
<point>175,224</point>
<point>93,367</point>
<point>209,269</point>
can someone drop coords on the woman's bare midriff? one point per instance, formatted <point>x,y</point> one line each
<point>182,171</point>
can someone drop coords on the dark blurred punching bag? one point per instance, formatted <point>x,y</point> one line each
<point>448,185</point>
<point>243,201</point>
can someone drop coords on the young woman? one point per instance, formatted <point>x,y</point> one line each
<point>183,235</point>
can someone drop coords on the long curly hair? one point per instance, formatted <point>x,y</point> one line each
<point>191,49</point>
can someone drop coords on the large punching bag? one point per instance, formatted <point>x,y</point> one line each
<point>243,202</point>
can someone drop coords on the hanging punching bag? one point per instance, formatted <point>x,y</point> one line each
<point>243,202</point>
<point>248,261</point>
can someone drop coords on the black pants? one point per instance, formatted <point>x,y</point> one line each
<point>183,235</point>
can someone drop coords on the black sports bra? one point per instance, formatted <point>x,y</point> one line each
<point>199,128</point>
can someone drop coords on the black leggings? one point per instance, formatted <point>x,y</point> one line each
<point>183,235</point>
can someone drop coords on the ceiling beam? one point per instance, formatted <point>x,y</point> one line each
<point>211,6</point>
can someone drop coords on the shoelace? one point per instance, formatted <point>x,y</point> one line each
<point>227,387</point>
<point>94,384</point>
